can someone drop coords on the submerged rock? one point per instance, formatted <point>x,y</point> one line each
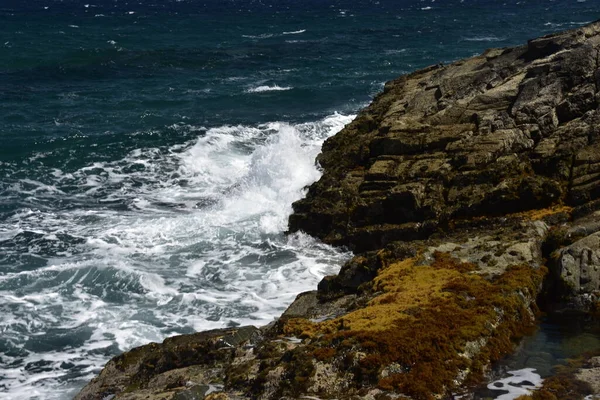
<point>455,188</point>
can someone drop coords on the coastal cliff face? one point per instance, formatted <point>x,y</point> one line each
<point>508,131</point>
<point>469,194</point>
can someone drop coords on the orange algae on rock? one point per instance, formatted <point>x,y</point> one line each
<point>539,214</point>
<point>415,335</point>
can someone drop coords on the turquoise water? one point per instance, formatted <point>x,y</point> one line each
<point>150,152</point>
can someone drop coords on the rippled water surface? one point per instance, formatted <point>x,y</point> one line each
<point>150,152</point>
<point>559,338</point>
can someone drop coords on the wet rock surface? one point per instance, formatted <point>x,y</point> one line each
<point>465,191</point>
<point>181,365</point>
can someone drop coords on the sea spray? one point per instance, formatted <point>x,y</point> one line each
<point>164,261</point>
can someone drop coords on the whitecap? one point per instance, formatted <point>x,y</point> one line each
<point>265,88</point>
<point>294,32</point>
<point>261,36</point>
<point>395,51</point>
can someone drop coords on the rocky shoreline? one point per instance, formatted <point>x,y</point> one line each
<point>470,195</point>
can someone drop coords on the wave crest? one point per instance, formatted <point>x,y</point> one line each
<point>265,88</point>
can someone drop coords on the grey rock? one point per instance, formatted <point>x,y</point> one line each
<point>579,270</point>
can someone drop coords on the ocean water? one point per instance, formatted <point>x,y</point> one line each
<point>150,152</point>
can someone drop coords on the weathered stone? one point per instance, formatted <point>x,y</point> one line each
<point>578,267</point>
<point>592,377</point>
<point>140,369</point>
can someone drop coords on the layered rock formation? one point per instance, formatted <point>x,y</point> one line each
<point>508,131</point>
<point>464,190</point>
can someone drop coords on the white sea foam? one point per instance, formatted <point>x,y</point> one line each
<point>195,242</point>
<point>265,88</point>
<point>395,51</point>
<point>295,32</point>
<point>521,382</point>
<point>571,23</point>
<point>261,36</point>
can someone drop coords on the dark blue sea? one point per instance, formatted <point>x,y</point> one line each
<point>150,151</point>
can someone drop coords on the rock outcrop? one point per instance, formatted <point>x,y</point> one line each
<point>508,131</point>
<point>468,192</point>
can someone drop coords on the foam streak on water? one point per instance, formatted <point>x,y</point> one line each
<point>521,383</point>
<point>162,242</point>
<point>264,88</point>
